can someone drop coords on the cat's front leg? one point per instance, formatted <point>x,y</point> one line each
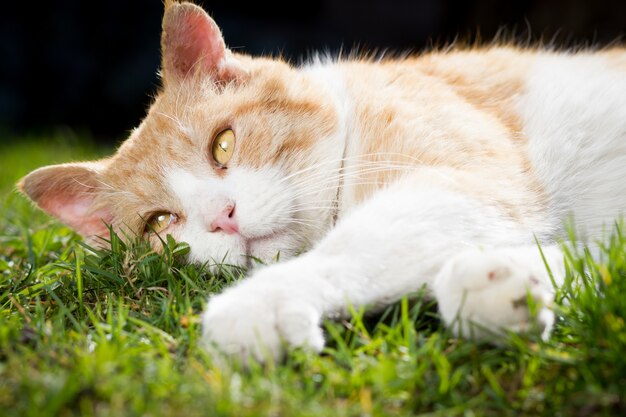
<point>391,245</point>
<point>279,306</point>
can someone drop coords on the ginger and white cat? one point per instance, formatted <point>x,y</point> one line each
<point>440,169</point>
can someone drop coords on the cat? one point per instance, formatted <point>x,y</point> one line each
<point>369,178</point>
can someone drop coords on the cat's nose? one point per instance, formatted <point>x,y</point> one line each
<point>225,221</point>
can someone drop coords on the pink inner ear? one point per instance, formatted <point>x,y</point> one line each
<point>75,211</point>
<point>193,39</point>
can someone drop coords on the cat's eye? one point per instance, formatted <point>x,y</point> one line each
<point>222,147</point>
<point>158,222</point>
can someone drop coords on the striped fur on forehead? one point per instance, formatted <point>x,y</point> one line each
<point>274,113</point>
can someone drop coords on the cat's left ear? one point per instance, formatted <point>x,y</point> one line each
<point>191,43</point>
<point>69,192</point>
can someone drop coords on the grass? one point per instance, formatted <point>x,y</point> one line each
<point>115,332</point>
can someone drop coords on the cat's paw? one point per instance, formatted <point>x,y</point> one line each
<point>482,293</point>
<point>262,316</point>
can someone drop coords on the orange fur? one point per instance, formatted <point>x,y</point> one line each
<point>446,115</point>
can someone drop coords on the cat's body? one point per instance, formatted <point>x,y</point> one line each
<point>442,169</point>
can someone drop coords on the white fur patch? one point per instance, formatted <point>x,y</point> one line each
<point>262,210</point>
<point>574,114</point>
<point>332,80</point>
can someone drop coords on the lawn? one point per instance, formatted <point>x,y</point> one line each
<point>115,333</point>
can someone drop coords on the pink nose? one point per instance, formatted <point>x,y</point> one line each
<point>225,221</point>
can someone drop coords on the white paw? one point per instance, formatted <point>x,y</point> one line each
<point>261,316</point>
<point>482,293</point>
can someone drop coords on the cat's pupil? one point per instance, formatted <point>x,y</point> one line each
<point>224,146</point>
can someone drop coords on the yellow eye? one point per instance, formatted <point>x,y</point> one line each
<point>160,221</point>
<point>223,146</point>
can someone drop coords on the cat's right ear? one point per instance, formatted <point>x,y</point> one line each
<point>191,43</point>
<point>69,193</point>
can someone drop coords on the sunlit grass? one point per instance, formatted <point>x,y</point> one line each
<point>115,332</point>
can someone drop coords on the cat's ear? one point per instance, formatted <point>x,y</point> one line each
<point>68,192</point>
<point>191,42</point>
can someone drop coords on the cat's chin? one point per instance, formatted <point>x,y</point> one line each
<point>241,251</point>
<point>268,248</point>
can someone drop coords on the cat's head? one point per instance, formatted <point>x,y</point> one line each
<point>235,156</point>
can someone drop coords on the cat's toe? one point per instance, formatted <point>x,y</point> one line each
<point>299,326</point>
<point>480,294</point>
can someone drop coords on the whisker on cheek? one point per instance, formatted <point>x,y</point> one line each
<point>317,167</point>
<point>354,171</point>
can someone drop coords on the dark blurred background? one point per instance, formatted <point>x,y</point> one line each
<point>92,66</point>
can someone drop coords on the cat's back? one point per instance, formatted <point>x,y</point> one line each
<point>557,118</point>
<point>497,79</point>
<point>569,112</point>
<point>573,114</point>
<point>569,108</point>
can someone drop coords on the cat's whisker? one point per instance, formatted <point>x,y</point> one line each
<point>318,172</point>
<point>307,193</point>
<point>309,208</point>
<point>303,208</point>
<point>304,222</point>
<point>108,189</point>
<point>316,167</point>
<point>287,216</point>
<point>359,163</point>
<point>308,225</point>
<point>331,182</point>
<point>371,170</point>
<point>359,167</point>
<point>297,203</point>
<point>317,191</point>
<point>360,170</point>
<point>176,120</point>
<point>92,187</point>
<point>108,186</point>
